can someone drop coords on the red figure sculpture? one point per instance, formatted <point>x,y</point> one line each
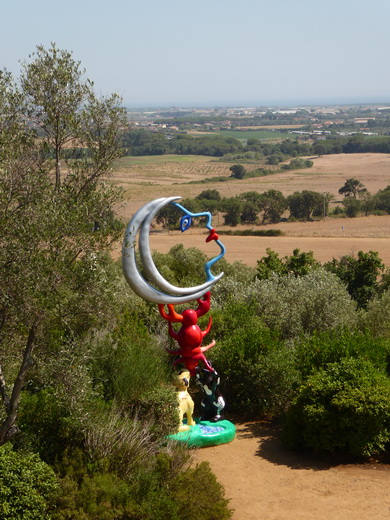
<point>190,336</point>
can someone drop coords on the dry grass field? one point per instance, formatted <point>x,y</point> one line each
<point>145,178</point>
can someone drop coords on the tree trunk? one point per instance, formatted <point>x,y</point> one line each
<point>58,169</point>
<point>9,428</point>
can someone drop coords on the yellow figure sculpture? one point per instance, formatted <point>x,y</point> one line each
<point>186,404</point>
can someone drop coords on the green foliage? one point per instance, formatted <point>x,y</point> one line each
<point>89,491</point>
<point>126,442</point>
<point>377,316</point>
<point>382,200</point>
<point>301,305</point>
<point>274,159</point>
<point>352,188</point>
<point>258,372</point>
<point>315,352</point>
<point>249,213</point>
<point>159,407</point>
<point>360,275</point>
<point>169,216</point>
<point>272,204</point>
<point>238,171</point>
<point>303,205</point>
<point>128,362</point>
<point>344,407</point>
<point>297,264</point>
<point>132,369</point>
<point>270,264</point>
<point>28,486</point>
<point>54,221</point>
<point>352,207</point>
<point>168,491</point>
<point>209,195</point>
<point>199,495</point>
<point>47,424</point>
<point>232,212</point>
<point>253,232</point>
<point>182,266</point>
<point>297,164</point>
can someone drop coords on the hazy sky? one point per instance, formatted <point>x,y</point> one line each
<point>213,52</point>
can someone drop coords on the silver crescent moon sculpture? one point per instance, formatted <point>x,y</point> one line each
<point>141,222</point>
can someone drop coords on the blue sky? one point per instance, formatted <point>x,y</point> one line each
<point>213,52</point>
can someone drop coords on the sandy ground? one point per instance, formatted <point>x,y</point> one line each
<point>265,481</point>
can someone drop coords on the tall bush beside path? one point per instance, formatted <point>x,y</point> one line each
<point>343,408</point>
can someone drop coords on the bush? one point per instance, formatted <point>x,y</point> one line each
<point>257,372</point>
<point>28,486</point>
<point>206,499</point>
<point>47,425</point>
<point>377,317</point>
<point>124,442</point>
<point>129,363</point>
<point>352,207</point>
<point>360,275</point>
<point>315,352</point>
<point>301,305</point>
<point>159,407</point>
<point>344,408</point>
<point>165,489</point>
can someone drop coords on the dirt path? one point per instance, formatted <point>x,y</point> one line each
<point>265,481</point>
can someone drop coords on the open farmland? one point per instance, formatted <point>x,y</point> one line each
<point>145,178</point>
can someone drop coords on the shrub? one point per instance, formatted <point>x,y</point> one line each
<point>206,500</point>
<point>253,232</point>
<point>338,210</point>
<point>183,267</point>
<point>165,489</point>
<point>126,442</point>
<point>159,408</point>
<point>28,486</point>
<point>352,207</point>
<point>315,352</point>
<point>129,363</point>
<point>360,274</point>
<point>301,305</point>
<point>257,372</point>
<point>342,408</point>
<point>47,425</point>
<point>377,317</point>
<point>90,492</point>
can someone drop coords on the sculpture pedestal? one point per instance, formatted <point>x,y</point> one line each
<point>206,433</point>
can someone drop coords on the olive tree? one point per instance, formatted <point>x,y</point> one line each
<point>62,107</point>
<point>53,225</point>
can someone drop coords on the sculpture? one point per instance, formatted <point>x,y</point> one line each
<point>190,336</point>
<point>158,290</point>
<point>186,404</point>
